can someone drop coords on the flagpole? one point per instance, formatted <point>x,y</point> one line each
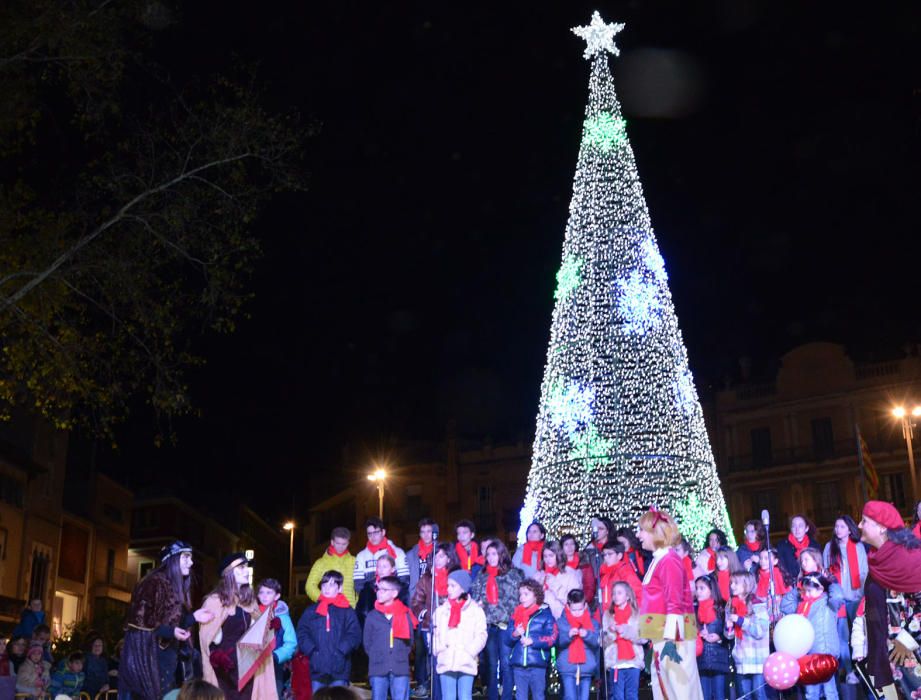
<point>860,464</point>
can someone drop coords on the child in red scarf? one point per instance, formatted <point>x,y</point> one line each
<point>747,623</point>
<point>577,647</point>
<point>328,632</point>
<point>727,563</point>
<point>768,562</point>
<point>388,638</point>
<point>623,653</point>
<point>460,636</point>
<point>713,648</point>
<point>530,634</point>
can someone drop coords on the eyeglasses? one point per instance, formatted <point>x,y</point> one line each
<point>382,589</point>
<point>374,532</point>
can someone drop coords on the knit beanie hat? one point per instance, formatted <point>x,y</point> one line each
<point>461,578</point>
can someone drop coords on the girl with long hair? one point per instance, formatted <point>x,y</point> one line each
<point>495,589</point>
<point>715,539</point>
<point>558,580</point>
<point>623,651</point>
<point>727,563</point>
<point>752,545</point>
<point>528,556</point>
<point>845,559</point>
<point>713,650</point>
<point>233,606</point>
<point>747,622</point>
<point>802,535</point>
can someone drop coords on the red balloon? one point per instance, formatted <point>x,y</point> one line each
<point>816,668</point>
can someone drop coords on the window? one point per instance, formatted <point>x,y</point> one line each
<point>761,447</point>
<point>823,440</point>
<point>145,568</point>
<point>11,490</point>
<point>4,534</point>
<point>827,502</point>
<point>892,489</point>
<point>766,500</point>
<point>485,515</point>
<point>39,575</point>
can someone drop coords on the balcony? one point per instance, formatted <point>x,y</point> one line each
<point>117,578</point>
<point>811,454</point>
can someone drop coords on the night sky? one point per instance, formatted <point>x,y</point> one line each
<point>412,283</point>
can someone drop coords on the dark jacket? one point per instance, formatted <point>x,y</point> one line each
<point>421,602</point>
<point>786,555</point>
<point>96,670</point>
<point>542,630</point>
<point>591,641</point>
<point>715,656</point>
<point>508,595</point>
<point>329,652</point>
<point>367,597</point>
<point>382,658</point>
<point>28,621</point>
<point>417,566</point>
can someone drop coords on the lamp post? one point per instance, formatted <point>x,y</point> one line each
<point>289,526</point>
<point>378,477</point>
<point>906,417</point>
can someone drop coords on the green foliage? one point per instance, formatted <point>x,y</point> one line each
<point>125,230</point>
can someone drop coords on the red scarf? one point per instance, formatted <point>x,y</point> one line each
<point>333,553</point>
<point>798,547</point>
<point>599,545</point>
<point>722,580</point>
<point>622,616</point>
<point>577,645</point>
<point>384,545</point>
<point>402,621</point>
<point>753,546</point>
<point>896,567</point>
<point>425,549</point>
<point>550,571</point>
<point>804,606</point>
<point>573,561</point>
<point>688,567</point>
<point>706,612</point>
<point>853,565</point>
<point>522,615</point>
<point>609,577</point>
<point>337,601</point>
<point>640,562</point>
<point>467,560</point>
<point>740,608</point>
<point>711,562</point>
<point>441,582</point>
<point>764,582</point>
<point>456,607</point>
<point>532,550</point>
<point>492,586</point>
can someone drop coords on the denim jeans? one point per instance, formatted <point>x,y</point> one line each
<point>830,687</point>
<point>456,686</point>
<point>751,683</point>
<point>844,634</point>
<point>571,691</point>
<point>627,683</point>
<point>713,684</point>
<point>397,685</point>
<point>531,678</point>
<point>316,685</point>
<point>497,668</point>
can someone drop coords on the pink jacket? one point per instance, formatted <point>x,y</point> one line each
<point>667,608</point>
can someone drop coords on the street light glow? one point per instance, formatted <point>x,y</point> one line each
<point>916,411</point>
<point>288,526</point>
<point>898,412</point>
<point>378,475</point>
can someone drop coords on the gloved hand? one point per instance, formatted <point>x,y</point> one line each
<point>275,624</point>
<point>670,651</point>
<point>900,653</point>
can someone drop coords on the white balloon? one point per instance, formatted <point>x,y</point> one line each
<point>794,635</point>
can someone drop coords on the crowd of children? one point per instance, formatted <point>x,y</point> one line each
<point>501,620</point>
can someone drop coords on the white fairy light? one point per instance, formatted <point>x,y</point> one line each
<point>599,36</point>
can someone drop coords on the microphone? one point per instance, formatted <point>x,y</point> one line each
<point>765,518</point>
<point>434,532</point>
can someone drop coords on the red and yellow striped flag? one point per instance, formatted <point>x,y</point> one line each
<point>869,471</point>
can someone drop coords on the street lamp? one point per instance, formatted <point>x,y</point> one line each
<point>289,526</point>
<point>907,420</point>
<point>379,476</point>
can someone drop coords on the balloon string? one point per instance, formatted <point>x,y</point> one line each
<point>741,697</point>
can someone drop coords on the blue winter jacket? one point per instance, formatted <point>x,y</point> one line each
<point>591,649</point>
<point>715,655</point>
<point>330,651</point>
<point>285,638</point>
<point>542,630</point>
<point>823,614</point>
<point>28,622</point>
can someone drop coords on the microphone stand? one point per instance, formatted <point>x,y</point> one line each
<point>431,611</point>
<point>766,520</point>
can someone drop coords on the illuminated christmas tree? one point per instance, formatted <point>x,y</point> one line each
<point>620,427</point>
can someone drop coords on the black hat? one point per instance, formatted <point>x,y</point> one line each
<point>231,561</point>
<point>816,580</point>
<point>177,547</point>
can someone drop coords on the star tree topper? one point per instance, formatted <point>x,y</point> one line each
<point>599,37</point>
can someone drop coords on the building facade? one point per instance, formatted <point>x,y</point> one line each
<point>789,446</point>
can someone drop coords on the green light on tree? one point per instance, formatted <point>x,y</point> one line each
<point>605,131</point>
<point>568,277</point>
<point>592,449</point>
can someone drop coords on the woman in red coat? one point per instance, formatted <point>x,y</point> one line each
<point>667,617</point>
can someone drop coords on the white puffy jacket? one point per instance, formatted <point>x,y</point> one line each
<point>457,648</point>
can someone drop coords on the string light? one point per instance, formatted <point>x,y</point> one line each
<point>620,424</point>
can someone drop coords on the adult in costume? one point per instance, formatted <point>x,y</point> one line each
<point>157,627</point>
<point>894,561</point>
<point>234,609</point>
<point>667,617</point>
